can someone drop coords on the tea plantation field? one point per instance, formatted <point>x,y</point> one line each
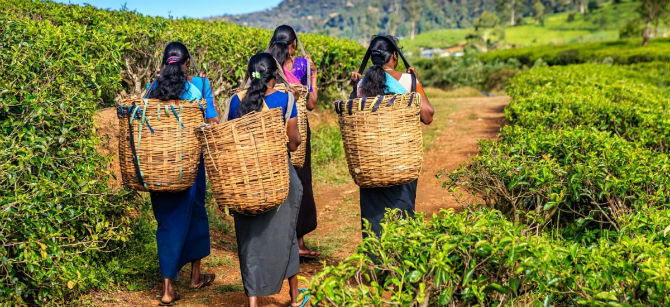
<point>573,208</point>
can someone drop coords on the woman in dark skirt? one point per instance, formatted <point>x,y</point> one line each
<point>267,244</point>
<point>283,46</point>
<point>183,230</point>
<point>381,79</point>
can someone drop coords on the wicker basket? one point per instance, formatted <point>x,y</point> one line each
<point>382,139</point>
<point>298,156</point>
<point>159,150</point>
<point>247,161</point>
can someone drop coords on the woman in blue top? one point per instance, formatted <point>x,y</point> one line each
<point>266,243</point>
<point>183,230</point>
<point>381,79</point>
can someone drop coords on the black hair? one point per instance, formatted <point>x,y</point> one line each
<point>381,50</point>
<point>172,81</point>
<point>282,38</point>
<point>264,67</point>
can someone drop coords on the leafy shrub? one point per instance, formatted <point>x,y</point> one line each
<point>621,52</point>
<point>567,176</point>
<point>586,143</point>
<point>62,231</point>
<point>481,259</point>
<point>468,70</point>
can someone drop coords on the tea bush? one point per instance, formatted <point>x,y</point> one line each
<point>62,231</point>
<point>574,194</point>
<point>468,70</point>
<point>479,258</point>
<point>619,52</point>
<point>586,142</point>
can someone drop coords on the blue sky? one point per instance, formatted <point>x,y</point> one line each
<point>182,8</point>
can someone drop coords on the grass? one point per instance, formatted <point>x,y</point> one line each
<point>217,261</point>
<point>234,287</point>
<point>329,165</point>
<point>440,101</point>
<point>434,39</point>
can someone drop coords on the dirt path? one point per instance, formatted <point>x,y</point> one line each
<point>452,141</point>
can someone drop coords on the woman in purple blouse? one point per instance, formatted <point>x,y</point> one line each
<point>283,47</point>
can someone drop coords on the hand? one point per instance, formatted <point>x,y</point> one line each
<point>412,70</point>
<point>295,89</point>
<point>311,64</point>
<point>355,76</point>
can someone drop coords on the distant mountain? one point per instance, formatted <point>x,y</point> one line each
<point>359,19</point>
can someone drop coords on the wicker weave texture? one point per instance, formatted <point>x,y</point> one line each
<point>298,156</point>
<point>168,156</point>
<point>247,161</point>
<point>384,147</point>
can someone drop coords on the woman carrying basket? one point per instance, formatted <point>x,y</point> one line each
<point>381,79</point>
<point>266,243</point>
<point>283,47</point>
<point>183,230</point>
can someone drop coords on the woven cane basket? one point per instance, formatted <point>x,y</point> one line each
<point>159,150</point>
<point>382,139</point>
<point>298,156</point>
<point>247,161</point>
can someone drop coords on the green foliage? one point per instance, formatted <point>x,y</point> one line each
<point>620,52</point>
<point>62,231</point>
<point>481,259</point>
<point>468,70</point>
<point>585,143</point>
<point>575,193</point>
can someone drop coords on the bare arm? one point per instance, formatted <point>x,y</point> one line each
<point>293,134</point>
<point>427,110</point>
<point>314,94</point>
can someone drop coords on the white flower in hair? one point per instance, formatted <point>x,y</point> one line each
<point>256,75</point>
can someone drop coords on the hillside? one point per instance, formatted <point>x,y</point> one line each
<point>359,19</point>
<point>603,23</point>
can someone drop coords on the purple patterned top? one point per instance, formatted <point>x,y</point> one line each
<point>300,67</point>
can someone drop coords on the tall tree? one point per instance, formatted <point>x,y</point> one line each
<point>413,9</point>
<point>485,25</point>
<point>393,19</point>
<point>508,9</point>
<point>582,6</point>
<point>538,10</point>
<point>650,10</point>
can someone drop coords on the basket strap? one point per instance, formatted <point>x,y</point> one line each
<point>148,91</point>
<point>377,103</point>
<point>136,159</point>
<point>289,107</point>
<point>179,128</point>
<point>368,53</point>
<point>361,105</point>
<point>390,103</point>
<point>177,116</point>
<point>338,106</point>
<point>309,69</point>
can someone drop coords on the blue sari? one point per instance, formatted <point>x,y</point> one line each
<point>183,229</point>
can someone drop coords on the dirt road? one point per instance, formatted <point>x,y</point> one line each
<point>451,141</point>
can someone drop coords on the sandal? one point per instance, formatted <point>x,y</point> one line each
<point>311,254</point>
<point>205,280</point>
<point>305,299</point>
<point>170,303</point>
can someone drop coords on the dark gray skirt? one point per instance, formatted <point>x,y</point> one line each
<point>375,201</point>
<point>267,244</point>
